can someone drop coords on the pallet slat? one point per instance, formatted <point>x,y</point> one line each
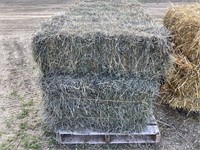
<point>150,135</point>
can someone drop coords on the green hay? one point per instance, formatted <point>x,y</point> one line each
<point>102,37</point>
<point>104,104</point>
<point>101,63</point>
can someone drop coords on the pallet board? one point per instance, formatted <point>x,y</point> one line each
<point>150,135</point>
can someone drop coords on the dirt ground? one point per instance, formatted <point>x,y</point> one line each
<point>20,97</point>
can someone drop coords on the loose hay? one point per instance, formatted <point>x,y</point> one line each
<point>102,37</point>
<point>182,87</point>
<point>104,104</point>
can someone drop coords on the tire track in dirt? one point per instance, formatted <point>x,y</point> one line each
<point>18,84</point>
<point>18,79</point>
<point>11,82</point>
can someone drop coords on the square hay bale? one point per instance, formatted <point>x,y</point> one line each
<point>98,103</point>
<point>182,87</point>
<point>102,37</point>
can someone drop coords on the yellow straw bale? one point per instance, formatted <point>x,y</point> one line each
<point>182,84</point>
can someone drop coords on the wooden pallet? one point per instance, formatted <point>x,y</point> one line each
<point>150,135</point>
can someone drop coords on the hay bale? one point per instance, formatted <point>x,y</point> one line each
<point>98,103</point>
<point>182,87</point>
<point>102,37</point>
<point>95,61</point>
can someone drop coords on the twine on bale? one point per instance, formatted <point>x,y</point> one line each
<point>104,104</point>
<point>182,87</point>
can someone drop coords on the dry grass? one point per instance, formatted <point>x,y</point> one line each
<point>182,87</point>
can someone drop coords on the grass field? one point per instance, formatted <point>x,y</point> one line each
<point>20,98</point>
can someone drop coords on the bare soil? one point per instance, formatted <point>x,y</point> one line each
<point>20,97</point>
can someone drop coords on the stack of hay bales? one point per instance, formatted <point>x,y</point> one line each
<point>101,63</point>
<point>182,87</point>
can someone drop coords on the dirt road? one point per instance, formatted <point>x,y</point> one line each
<point>20,97</point>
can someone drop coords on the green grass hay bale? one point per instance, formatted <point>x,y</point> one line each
<point>101,61</point>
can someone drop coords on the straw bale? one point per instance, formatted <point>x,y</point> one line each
<point>182,87</point>
<point>102,37</point>
<point>98,103</point>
